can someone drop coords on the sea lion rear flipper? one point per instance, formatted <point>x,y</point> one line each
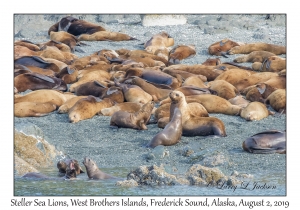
<point>41,76</point>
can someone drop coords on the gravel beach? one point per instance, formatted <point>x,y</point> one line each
<point>122,147</point>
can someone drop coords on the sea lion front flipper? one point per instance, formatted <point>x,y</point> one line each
<point>41,76</point>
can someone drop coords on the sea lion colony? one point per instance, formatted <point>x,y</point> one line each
<point>130,79</point>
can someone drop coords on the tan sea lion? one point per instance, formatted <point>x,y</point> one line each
<point>137,120</point>
<point>255,111</point>
<point>35,81</point>
<point>270,64</point>
<point>156,93</point>
<point>38,62</point>
<point>171,134</point>
<point>105,36</point>
<point>239,100</point>
<point>61,46</point>
<point>87,108</point>
<point>66,38</point>
<point>61,65</point>
<point>75,26</point>
<point>54,53</point>
<point>158,41</point>
<point>93,171</point>
<point>183,74</point>
<point>248,48</point>
<point>29,69</point>
<point>212,62</point>
<point>115,94</point>
<point>25,43</point>
<point>196,81</point>
<point>21,51</point>
<point>63,164</point>
<point>66,106</point>
<point>233,76</point>
<point>33,109</point>
<point>223,88</point>
<point>181,52</point>
<point>221,47</point>
<point>125,106</point>
<point>277,100</point>
<point>214,104</point>
<point>43,96</point>
<point>255,56</point>
<point>68,75</point>
<point>266,142</point>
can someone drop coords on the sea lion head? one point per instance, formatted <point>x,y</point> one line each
<point>71,170</point>
<point>176,96</point>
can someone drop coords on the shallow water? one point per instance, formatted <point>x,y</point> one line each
<point>82,186</point>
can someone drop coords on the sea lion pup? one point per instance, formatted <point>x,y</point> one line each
<point>61,46</point>
<point>233,76</point>
<point>93,171</point>
<point>87,108</point>
<point>248,48</point>
<point>171,134</point>
<point>255,111</point>
<point>266,142</point>
<point>66,38</point>
<point>63,164</point>
<point>270,64</point>
<point>196,81</point>
<point>68,75</point>
<point>125,106</point>
<point>105,36</point>
<point>198,69</point>
<point>255,56</point>
<point>35,81</point>
<point>223,88</point>
<point>30,45</point>
<point>221,47</point>
<point>181,52</point>
<point>157,94</point>
<point>36,61</point>
<point>66,106</point>
<point>134,93</point>
<point>214,104</point>
<point>254,79</point>
<point>212,62</point>
<point>89,77</point>
<point>239,100</point>
<point>43,96</point>
<point>137,120</point>
<point>33,109</point>
<point>160,40</point>
<point>70,173</point>
<point>277,100</point>
<point>75,26</point>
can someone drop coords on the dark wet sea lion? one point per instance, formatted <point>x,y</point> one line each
<point>63,164</point>
<point>93,88</point>
<point>137,120</point>
<point>93,171</point>
<point>171,134</point>
<point>266,142</point>
<point>75,26</point>
<point>36,61</point>
<point>35,81</point>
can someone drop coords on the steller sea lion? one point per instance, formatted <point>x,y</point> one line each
<point>75,26</point>
<point>277,100</point>
<point>28,44</point>
<point>93,171</point>
<point>63,164</point>
<point>266,142</point>
<point>43,96</point>
<point>248,48</point>
<point>158,41</point>
<point>221,47</point>
<point>125,106</point>
<point>239,101</point>
<point>105,36</point>
<point>212,62</point>
<point>196,81</point>
<point>54,53</point>
<point>137,120</point>
<point>233,76</point>
<point>66,106</point>
<point>183,74</point>
<point>255,56</point>
<point>255,111</point>
<point>181,52</point>
<point>87,108</point>
<point>68,75</point>
<point>66,38</point>
<point>223,88</point>
<point>36,61</point>
<point>35,81</point>
<point>270,64</point>
<point>61,46</point>
<point>171,134</point>
<point>33,109</point>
